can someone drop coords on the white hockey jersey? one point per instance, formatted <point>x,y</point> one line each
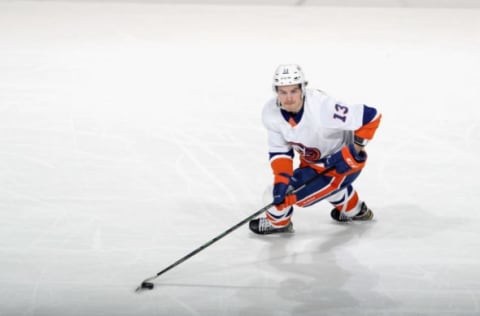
<point>321,128</point>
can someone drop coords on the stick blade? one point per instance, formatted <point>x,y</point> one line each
<point>145,286</point>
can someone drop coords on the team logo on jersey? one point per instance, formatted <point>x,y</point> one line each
<point>309,154</point>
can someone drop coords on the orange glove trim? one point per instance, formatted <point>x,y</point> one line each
<point>351,162</point>
<point>290,200</point>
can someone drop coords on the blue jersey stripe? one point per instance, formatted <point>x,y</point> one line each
<point>288,153</point>
<point>369,114</point>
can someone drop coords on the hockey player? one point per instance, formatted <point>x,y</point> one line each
<point>326,134</point>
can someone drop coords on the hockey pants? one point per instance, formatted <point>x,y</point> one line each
<point>336,189</point>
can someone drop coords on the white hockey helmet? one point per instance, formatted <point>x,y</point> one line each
<point>289,74</point>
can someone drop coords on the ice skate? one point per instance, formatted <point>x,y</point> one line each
<point>262,226</point>
<point>365,214</point>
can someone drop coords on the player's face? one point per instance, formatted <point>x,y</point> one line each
<point>290,97</point>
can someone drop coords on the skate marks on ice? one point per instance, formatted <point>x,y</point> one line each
<point>313,271</point>
<point>414,221</point>
<point>407,260</point>
<point>423,261</point>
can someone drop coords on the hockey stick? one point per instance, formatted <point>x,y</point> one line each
<point>146,284</point>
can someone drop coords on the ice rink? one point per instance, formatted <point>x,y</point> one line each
<point>130,134</point>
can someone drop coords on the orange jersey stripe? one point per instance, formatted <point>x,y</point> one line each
<point>292,122</point>
<point>368,130</point>
<point>282,164</point>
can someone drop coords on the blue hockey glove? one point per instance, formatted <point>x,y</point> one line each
<point>280,188</point>
<point>346,160</point>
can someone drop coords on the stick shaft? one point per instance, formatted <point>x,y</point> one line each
<point>212,241</point>
<point>231,229</point>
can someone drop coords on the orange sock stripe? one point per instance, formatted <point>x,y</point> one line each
<point>282,222</point>
<point>270,218</point>
<point>275,222</point>
<point>352,202</point>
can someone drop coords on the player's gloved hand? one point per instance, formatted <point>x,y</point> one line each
<point>346,160</point>
<point>280,197</point>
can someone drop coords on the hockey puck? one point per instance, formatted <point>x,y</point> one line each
<point>147,285</point>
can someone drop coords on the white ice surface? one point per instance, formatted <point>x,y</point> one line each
<point>130,135</point>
